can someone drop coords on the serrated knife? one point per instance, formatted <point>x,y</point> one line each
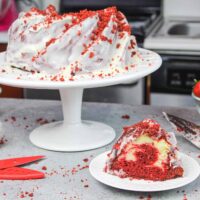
<point>187,129</point>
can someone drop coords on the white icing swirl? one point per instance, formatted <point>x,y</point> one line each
<point>73,43</point>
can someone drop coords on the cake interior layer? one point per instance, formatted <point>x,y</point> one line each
<point>147,158</point>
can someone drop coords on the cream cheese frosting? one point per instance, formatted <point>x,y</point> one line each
<point>72,44</point>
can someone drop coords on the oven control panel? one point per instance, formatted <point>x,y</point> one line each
<point>176,75</point>
<point>183,78</point>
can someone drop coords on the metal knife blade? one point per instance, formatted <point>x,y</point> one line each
<point>13,162</point>
<point>189,130</point>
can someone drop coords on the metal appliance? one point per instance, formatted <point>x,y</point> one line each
<point>176,37</point>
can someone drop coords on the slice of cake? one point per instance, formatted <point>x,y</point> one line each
<point>145,151</point>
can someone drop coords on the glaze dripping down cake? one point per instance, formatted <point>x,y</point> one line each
<point>97,42</point>
<point>145,151</point>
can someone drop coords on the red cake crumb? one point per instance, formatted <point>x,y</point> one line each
<point>118,45</point>
<point>51,41</point>
<point>86,186</point>
<point>91,55</point>
<point>3,140</point>
<point>125,116</point>
<point>85,160</point>
<point>185,197</point>
<point>149,197</point>
<point>42,121</point>
<point>13,118</point>
<point>44,168</point>
<point>84,167</point>
<point>27,194</point>
<point>31,194</point>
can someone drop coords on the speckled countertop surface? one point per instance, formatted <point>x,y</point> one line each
<point>67,175</point>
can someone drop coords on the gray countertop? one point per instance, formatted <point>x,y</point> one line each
<point>67,175</point>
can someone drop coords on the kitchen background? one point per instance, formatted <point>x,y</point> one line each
<point>169,27</point>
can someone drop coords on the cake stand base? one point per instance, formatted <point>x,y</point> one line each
<point>58,136</point>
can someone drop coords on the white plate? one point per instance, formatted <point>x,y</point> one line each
<point>189,164</point>
<point>151,62</point>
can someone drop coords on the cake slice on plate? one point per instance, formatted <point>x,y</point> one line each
<point>145,151</point>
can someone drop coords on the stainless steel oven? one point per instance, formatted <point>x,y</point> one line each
<point>176,37</point>
<point>176,75</point>
<point>173,82</point>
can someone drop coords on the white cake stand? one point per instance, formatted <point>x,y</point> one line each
<point>73,134</point>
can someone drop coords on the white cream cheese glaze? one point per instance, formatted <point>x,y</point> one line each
<point>73,43</point>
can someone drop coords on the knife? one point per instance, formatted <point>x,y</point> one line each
<point>187,129</point>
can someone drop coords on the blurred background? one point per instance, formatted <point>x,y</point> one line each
<point>169,27</point>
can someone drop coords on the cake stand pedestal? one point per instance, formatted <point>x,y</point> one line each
<point>72,134</point>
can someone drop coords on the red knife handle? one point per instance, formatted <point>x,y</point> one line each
<point>17,173</point>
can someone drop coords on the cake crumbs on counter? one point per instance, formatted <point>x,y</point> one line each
<point>85,160</point>
<point>42,121</point>
<point>149,197</point>
<point>27,194</point>
<point>125,116</point>
<point>85,183</point>
<point>185,197</point>
<point>86,186</point>
<point>44,168</point>
<point>3,140</point>
<point>11,119</point>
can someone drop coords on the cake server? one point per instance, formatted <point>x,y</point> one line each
<point>10,171</point>
<point>187,129</point>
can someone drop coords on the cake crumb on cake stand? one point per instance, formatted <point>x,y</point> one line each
<point>73,134</point>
